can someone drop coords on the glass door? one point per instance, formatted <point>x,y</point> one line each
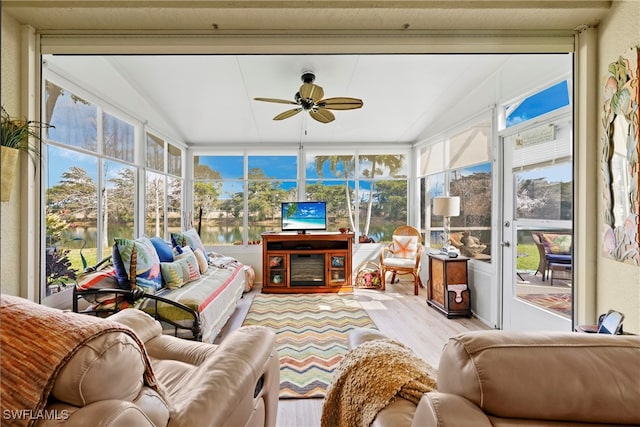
<point>537,226</point>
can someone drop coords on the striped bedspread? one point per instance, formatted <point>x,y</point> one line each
<point>213,296</point>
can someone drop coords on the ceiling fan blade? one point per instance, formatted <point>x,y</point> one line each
<point>322,115</point>
<point>276,100</point>
<point>311,91</point>
<point>287,114</point>
<point>340,103</point>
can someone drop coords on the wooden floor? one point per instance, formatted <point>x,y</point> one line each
<point>397,313</point>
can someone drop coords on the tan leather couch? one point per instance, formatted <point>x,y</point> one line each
<point>504,379</point>
<point>233,384</point>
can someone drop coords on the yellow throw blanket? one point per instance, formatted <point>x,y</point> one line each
<point>370,377</point>
<point>36,341</point>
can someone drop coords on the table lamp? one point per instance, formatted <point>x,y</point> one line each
<point>447,206</point>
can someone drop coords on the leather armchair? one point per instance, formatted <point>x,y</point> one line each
<point>232,384</point>
<point>498,378</point>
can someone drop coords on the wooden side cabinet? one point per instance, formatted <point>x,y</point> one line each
<point>448,286</point>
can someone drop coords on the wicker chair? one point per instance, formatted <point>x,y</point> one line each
<point>548,259</point>
<point>542,264</point>
<point>398,258</point>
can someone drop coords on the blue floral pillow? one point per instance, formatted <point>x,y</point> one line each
<point>137,259</point>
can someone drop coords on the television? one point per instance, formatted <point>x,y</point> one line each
<point>304,216</point>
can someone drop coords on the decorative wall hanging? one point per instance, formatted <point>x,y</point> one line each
<point>620,159</point>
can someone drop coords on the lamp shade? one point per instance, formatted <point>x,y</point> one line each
<point>446,206</point>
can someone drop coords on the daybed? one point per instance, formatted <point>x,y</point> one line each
<point>192,294</point>
<point>65,369</point>
<point>500,378</point>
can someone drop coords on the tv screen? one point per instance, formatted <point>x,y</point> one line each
<point>304,216</point>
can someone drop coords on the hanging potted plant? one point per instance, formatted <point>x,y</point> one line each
<point>15,138</point>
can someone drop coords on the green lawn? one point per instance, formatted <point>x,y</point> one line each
<point>528,258</point>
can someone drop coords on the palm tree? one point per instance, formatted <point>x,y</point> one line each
<point>392,162</point>
<point>346,172</point>
<point>379,163</point>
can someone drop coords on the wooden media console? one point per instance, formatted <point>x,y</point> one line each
<point>306,263</point>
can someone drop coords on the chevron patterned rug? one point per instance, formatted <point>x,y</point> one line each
<point>311,336</point>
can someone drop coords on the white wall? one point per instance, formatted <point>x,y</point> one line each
<point>618,283</point>
<point>10,215</point>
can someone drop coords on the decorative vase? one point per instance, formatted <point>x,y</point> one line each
<point>9,166</point>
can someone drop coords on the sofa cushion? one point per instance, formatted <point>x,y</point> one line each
<point>163,249</point>
<point>201,257</point>
<point>560,376</point>
<point>137,264</point>
<point>556,243</point>
<point>82,379</point>
<point>175,273</point>
<point>188,238</point>
<point>102,279</point>
<point>405,246</point>
<point>189,260</point>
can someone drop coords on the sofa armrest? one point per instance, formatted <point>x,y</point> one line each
<point>448,410</point>
<point>144,326</point>
<point>105,413</point>
<point>225,385</point>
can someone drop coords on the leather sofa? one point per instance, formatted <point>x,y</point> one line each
<point>132,375</point>
<point>504,379</point>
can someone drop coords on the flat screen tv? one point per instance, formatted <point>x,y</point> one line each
<point>304,216</point>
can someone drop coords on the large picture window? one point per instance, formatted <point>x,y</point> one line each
<point>460,165</point>
<point>91,184</point>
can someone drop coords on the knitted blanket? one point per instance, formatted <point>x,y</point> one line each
<point>371,376</point>
<point>35,343</point>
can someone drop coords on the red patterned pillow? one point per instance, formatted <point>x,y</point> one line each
<point>103,279</point>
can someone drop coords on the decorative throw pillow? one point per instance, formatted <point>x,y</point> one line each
<point>163,249</point>
<point>203,263</point>
<point>193,268</point>
<point>559,244</point>
<point>405,246</point>
<point>188,238</point>
<point>249,277</point>
<point>173,273</point>
<point>102,279</point>
<point>138,261</point>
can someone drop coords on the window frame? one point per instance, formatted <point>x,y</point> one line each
<point>138,164</point>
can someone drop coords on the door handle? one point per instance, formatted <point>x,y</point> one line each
<point>505,244</point>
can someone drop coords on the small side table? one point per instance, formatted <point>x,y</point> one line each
<point>448,286</point>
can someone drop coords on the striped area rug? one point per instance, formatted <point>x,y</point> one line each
<point>560,303</point>
<point>311,336</point>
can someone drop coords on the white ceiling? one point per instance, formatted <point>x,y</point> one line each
<point>207,100</point>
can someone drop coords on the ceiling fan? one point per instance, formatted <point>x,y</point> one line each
<point>310,98</point>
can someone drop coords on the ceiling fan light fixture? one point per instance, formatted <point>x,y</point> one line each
<point>310,98</point>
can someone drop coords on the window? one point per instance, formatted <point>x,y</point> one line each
<point>382,193</point>
<point>376,190</point>
<point>118,138</point>
<point>91,185</point>
<point>163,187</point>
<point>220,184</point>
<point>544,101</point>
<point>218,198</point>
<point>459,165</point>
<point>331,179</point>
